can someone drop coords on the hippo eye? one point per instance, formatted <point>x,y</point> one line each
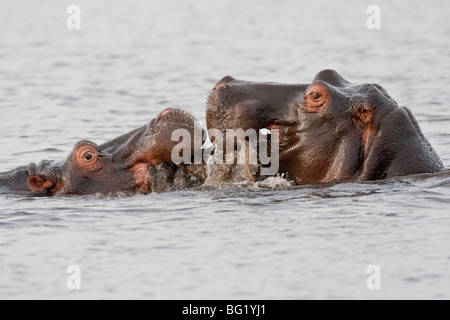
<point>317,92</point>
<point>315,96</point>
<point>88,156</point>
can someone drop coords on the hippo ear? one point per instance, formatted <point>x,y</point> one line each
<point>40,183</point>
<point>399,149</point>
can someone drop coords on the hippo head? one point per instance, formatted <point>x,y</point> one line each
<point>119,165</point>
<point>329,129</point>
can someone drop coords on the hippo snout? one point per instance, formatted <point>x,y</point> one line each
<point>119,165</point>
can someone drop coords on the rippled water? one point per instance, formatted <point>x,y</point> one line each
<point>128,62</point>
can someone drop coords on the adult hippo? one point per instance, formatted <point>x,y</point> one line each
<point>139,161</point>
<point>329,129</point>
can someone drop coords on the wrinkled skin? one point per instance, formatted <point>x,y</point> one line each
<point>127,163</point>
<point>330,129</point>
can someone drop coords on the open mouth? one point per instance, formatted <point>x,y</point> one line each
<point>278,134</point>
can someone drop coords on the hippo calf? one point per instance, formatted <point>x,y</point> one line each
<point>139,161</point>
<point>329,129</point>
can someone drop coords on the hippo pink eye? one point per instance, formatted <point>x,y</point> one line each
<point>315,95</point>
<point>88,156</point>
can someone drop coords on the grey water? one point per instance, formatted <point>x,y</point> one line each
<point>132,59</point>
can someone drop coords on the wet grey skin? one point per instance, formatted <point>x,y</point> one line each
<point>330,129</point>
<point>133,162</point>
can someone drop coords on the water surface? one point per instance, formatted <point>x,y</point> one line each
<point>129,62</point>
